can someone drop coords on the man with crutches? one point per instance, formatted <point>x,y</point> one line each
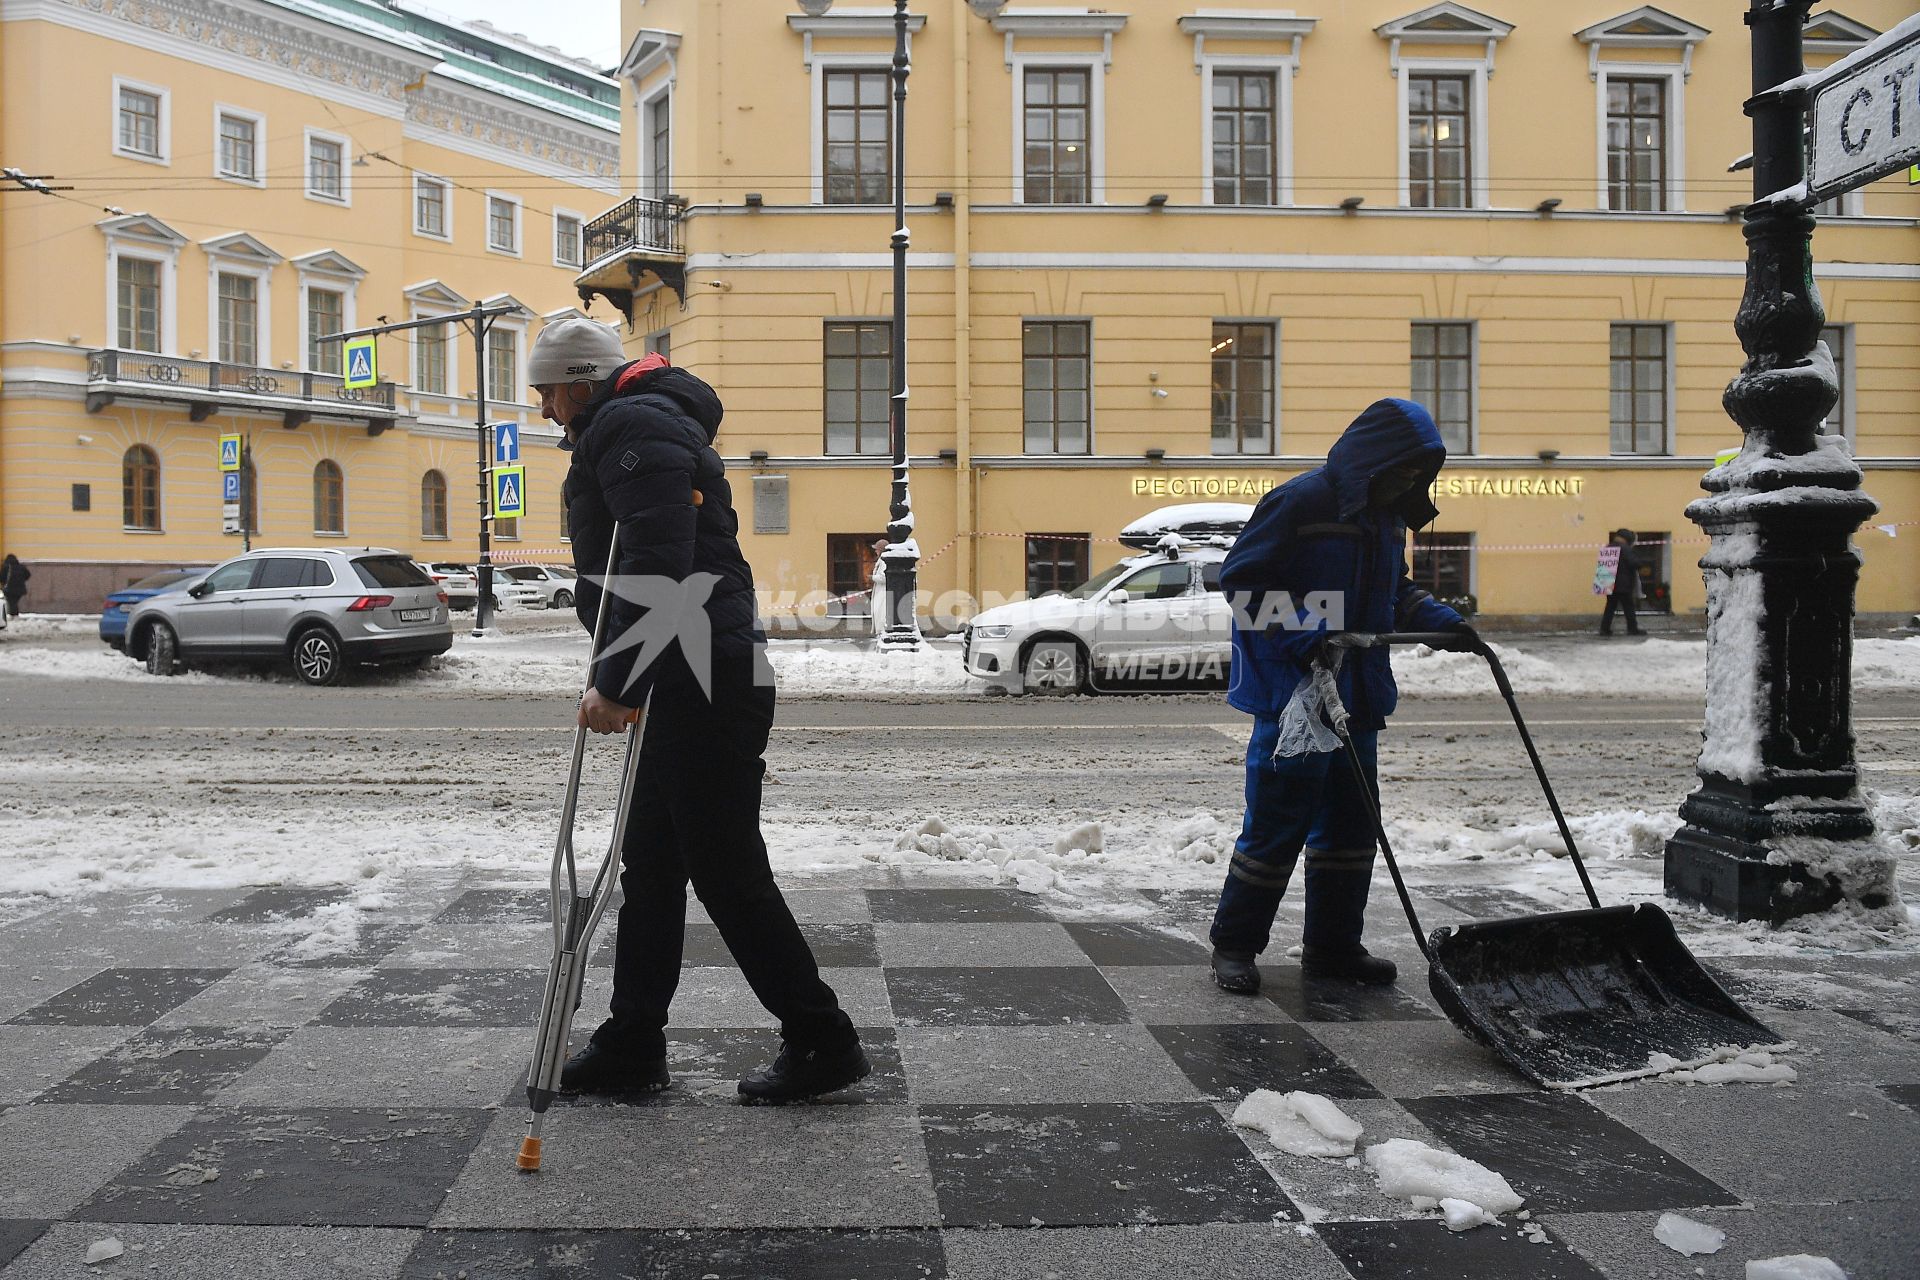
<point>682,649</point>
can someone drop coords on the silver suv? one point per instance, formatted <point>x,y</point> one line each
<point>322,609</point>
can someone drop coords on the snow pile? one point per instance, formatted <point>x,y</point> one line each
<point>34,625</point>
<point>1610,833</point>
<point>1736,649</point>
<point>817,668</point>
<point>80,664</point>
<point>934,841</point>
<point>1089,837</point>
<point>1729,1064</point>
<point>1684,1235</point>
<point>1300,1124</point>
<point>1417,1172</point>
<point>1864,870</point>
<point>1795,1266</point>
<point>1439,672</point>
<point>1464,1215</point>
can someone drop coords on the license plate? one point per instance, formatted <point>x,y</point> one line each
<point>415,615</point>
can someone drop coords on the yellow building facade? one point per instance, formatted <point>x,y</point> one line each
<point>1166,254</point>
<point>230,181</point>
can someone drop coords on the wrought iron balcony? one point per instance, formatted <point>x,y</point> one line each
<point>636,237</point>
<point>208,387</point>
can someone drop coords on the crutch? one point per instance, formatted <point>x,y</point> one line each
<point>575,914</point>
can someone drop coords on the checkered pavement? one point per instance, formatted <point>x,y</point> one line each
<point>190,1073</point>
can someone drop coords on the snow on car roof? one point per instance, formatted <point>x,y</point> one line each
<point>1193,520</point>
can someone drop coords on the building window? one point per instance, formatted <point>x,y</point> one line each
<point>1443,379</point>
<point>659,343</point>
<point>566,240</point>
<point>326,169</point>
<point>1439,142</point>
<point>1838,422</point>
<point>1639,388</point>
<point>140,128</point>
<point>859,382</point>
<point>1056,561</point>
<point>858,128</point>
<point>329,498</point>
<point>430,359</point>
<point>1245,126</point>
<point>503,224</point>
<point>430,208</point>
<point>1637,143</point>
<point>1243,388</point>
<point>239,147</point>
<point>1058,136</point>
<point>326,314</point>
<point>138,320</point>
<point>658,140</point>
<point>1057,381</point>
<point>239,299</point>
<point>1443,565</point>
<point>503,375</point>
<point>850,561</point>
<point>1653,565</point>
<point>506,529</point>
<point>140,488</point>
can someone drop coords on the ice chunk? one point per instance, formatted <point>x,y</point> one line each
<point>1795,1266</point>
<point>1300,1124</point>
<point>1684,1235</point>
<point>105,1250</point>
<point>1464,1215</point>
<point>1413,1169</point>
<point>1728,1064</point>
<point>1086,838</point>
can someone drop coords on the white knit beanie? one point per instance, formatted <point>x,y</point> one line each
<point>574,350</point>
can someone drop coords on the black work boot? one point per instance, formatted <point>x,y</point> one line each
<point>1234,971</point>
<point>1355,965</point>
<point>604,1068</point>
<point>799,1074</point>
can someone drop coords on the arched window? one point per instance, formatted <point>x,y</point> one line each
<point>433,505</point>
<point>140,488</point>
<point>329,498</point>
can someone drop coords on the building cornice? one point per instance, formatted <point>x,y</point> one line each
<point>465,118</point>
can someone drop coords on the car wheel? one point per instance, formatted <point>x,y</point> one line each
<point>1053,666</point>
<point>563,599</point>
<point>317,657</point>
<point>163,650</point>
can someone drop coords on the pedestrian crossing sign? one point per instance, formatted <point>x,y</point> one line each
<point>362,368</point>
<point>509,492</point>
<point>230,453</point>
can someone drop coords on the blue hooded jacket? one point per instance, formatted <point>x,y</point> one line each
<point>1319,532</point>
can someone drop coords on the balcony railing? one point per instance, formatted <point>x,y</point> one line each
<point>635,237</point>
<point>209,387</point>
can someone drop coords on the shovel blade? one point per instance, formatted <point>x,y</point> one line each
<point>1581,998</point>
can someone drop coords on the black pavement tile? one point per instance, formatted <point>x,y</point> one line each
<point>440,998</point>
<point>707,1065</point>
<point>121,997</point>
<point>1907,1095</point>
<point>1318,1000</point>
<point>1133,944</point>
<point>337,1167</point>
<point>677,1255</point>
<point>370,944</point>
<point>1231,1060</point>
<point>499,906</point>
<point>954,906</point>
<point>1094,1164</point>
<point>168,1066</point>
<point>1002,997</point>
<point>1483,904</point>
<point>1564,1154</point>
<point>1185,904</point>
<point>1423,1249</point>
<point>835,946</point>
<point>16,1234</point>
<point>263,905</point>
<point>1895,1022</point>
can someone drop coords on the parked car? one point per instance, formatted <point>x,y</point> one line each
<point>554,584</point>
<point>321,609</point>
<point>113,615</point>
<point>459,581</point>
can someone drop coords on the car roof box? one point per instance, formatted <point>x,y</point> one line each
<point>1193,523</point>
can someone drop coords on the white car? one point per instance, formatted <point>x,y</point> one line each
<point>541,586</point>
<point>1156,618</point>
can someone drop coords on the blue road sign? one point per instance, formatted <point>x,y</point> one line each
<point>506,443</point>
<point>362,367</point>
<point>229,453</point>
<point>230,486</point>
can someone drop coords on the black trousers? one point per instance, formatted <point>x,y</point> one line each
<point>695,819</point>
<point>1625,603</point>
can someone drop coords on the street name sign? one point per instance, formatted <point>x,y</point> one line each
<point>1865,114</point>
<point>506,443</point>
<point>363,366</point>
<point>509,492</point>
<point>230,453</point>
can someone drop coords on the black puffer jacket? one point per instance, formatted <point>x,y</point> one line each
<point>644,449</point>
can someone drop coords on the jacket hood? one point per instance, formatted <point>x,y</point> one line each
<point>1387,433</point>
<point>651,375</point>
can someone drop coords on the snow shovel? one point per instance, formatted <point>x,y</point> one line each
<point>576,914</point>
<point>1570,999</point>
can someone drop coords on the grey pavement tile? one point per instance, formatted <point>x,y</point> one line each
<point>1137,944</point>
<point>1010,997</point>
<point>1418,1059</point>
<point>731,1167</point>
<point>835,946</point>
<point>25,985</point>
<point>1226,1251</point>
<point>362,947</point>
<point>83,938</point>
<point>1184,995</point>
<point>263,995</point>
<point>385,1067</point>
<point>278,903</point>
<point>440,998</point>
<point>1904,1023</point>
<point>1040,1064</point>
<point>954,906</point>
<point>817,906</point>
<point>1877,1241</point>
<point>120,997</point>
<point>1768,1144</point>
<point>716,997</point>
<point>181,1252</point>
<point>514,945</point>
<point>1094,1164</point>
<point>932,946</point>
<point>1339,1190</point>
<point>679,1255</point>
<point>1426,1250</point>
<point>33,1058</point>
<point>16,1234</point>
<point>707,1065</point>
<point>57,1156</point>
<point>1834,1048</point>
<point>167,1065</point>
<point>343,1167</point>
<point>1231,1060</point>
<point>1564,1154</point>
<point>518,904</point>
<point>1318,1000</point>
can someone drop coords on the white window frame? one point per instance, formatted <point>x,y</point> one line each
<point>1096,67</point>
<point>163,138</point>
<point>262,273</point>
<point>1473,375</point>
<point>1671,351</point>
<point>169,260</point>
<point>1477,70</point>
<point>1676,148</point>
<point>452,346</point>
<point>1272,323</point>
<point>345,286</point>
<point>519,214</point>
<point>519,332</point>
<point>222,110</point>
<point>819,68</point>
<point>446,204</point>
<point>1848,402</point>
<point>580,238</point>
<point>345,199</point>
<point>1284,67</point>
<point>644,129</point>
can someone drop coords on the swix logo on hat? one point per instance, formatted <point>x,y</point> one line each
<point>583,368</point>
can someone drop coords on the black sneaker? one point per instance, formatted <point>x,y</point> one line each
<point>798,1074</point>
<point>1234,971</point>
<point>1348,966</point>
<point>601,1069</point>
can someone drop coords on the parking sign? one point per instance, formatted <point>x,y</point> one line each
<point>509,492</point>
<point>230,487</point>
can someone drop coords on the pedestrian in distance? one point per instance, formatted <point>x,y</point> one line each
<point>645,473</point>
<point>1340,529</point>
<point>877,587</point>
<point>13,583</point>
<point>1626,585</point>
